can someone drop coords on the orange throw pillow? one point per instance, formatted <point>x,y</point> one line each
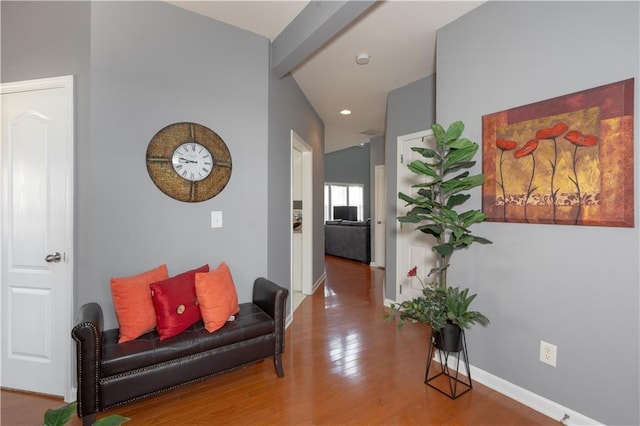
<point>132,302</point>
<point>175,303</point>
<point>217,297</point>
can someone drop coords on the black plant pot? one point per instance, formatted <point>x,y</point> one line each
<point>449,338</point>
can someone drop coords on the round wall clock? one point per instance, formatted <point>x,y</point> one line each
<point>188,162</point>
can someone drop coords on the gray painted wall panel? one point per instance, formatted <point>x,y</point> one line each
<point>47,39</point>
<point>178,66</point>
<point>290,110</point>
<point>573,286</point>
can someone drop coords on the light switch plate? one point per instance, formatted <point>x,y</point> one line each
<point>216,219</point>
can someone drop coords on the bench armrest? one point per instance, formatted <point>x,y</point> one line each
<point>88,337</point>
<point>272,299</point>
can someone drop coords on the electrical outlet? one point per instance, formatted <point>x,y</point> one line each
<point>548,353</point>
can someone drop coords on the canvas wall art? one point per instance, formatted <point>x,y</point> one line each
<point>566,160</point>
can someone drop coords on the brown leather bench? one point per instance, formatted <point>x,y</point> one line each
<point>111,373</point>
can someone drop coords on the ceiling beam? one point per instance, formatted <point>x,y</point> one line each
<point>318,22</point>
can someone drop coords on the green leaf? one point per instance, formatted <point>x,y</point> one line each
<point>457,199</point>
<point>460,165</point>
<point>443,249</point>
<point>460,143</point>
<point>426,192</point>
<point>454,131</point>
<point>59,416</point>
<point>481,240</point>
<point>460,155</point>
<point>426,152</point>
<point>438,132</point>
<point>422,168</point>
<point>451,214</point>
<point>453,186</point>
<point>114,420</point>
<point>472,216</point>
<point>435,230</point>
<point>405,197</point>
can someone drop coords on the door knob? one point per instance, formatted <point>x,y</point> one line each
<point>53,258</point>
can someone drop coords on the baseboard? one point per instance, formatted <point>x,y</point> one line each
<point>319,282</point>
<point>549,408</point>
<point>388,302</point>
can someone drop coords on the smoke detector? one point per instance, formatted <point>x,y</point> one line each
<point>362,58</point>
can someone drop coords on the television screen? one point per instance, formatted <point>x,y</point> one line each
<point>345,212</point>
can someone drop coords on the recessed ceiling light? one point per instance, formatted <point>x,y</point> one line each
<point>345,112</point>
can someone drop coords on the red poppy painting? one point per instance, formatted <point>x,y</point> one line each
<point>566,160</point>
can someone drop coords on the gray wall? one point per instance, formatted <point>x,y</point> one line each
<point>143,77</point>
<point>573,286</point>
<point>410,109</point>
<point>290,110</point>
<point>135,79</point>
<point>351,165</point>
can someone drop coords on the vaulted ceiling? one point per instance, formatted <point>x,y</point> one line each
<point>399,37</point>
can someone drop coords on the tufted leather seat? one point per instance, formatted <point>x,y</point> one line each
<point>148,349</point>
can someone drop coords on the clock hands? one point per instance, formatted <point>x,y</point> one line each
<point>185,160</point>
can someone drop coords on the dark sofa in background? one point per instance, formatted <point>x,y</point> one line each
<point>348,239</point>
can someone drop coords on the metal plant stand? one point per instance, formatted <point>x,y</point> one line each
<point>449,378</point>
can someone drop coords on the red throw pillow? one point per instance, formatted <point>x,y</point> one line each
<point>132,302</point>
<point>217,297</point>
<point>175,303</point>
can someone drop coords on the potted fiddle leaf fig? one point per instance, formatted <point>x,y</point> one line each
<point>438,212</point>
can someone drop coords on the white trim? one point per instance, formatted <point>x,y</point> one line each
<point>532,400</point>
<point>316,285</point>
<point>319,281</point>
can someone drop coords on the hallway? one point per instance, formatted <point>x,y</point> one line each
<point>343,363</point>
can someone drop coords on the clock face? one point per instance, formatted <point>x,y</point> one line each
<point>188,162</point>
<point>192,161</point>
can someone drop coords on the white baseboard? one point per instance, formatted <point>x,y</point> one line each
<point>549,408</point>
<point>319,282</point>
<point>315,286</point>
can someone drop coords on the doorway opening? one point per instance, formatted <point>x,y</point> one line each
<point>301,202</point>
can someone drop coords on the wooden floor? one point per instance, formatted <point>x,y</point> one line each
<point>344,365</point>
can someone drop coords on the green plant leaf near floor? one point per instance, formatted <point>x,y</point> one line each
<point>61,416</point>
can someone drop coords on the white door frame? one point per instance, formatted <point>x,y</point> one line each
<point>299,144</point>
<point>380,212</point>
<point>65,83</point>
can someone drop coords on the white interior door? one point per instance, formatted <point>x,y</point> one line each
<point>380,216</point>
<point>37,225</point>
<point>413,247</point>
